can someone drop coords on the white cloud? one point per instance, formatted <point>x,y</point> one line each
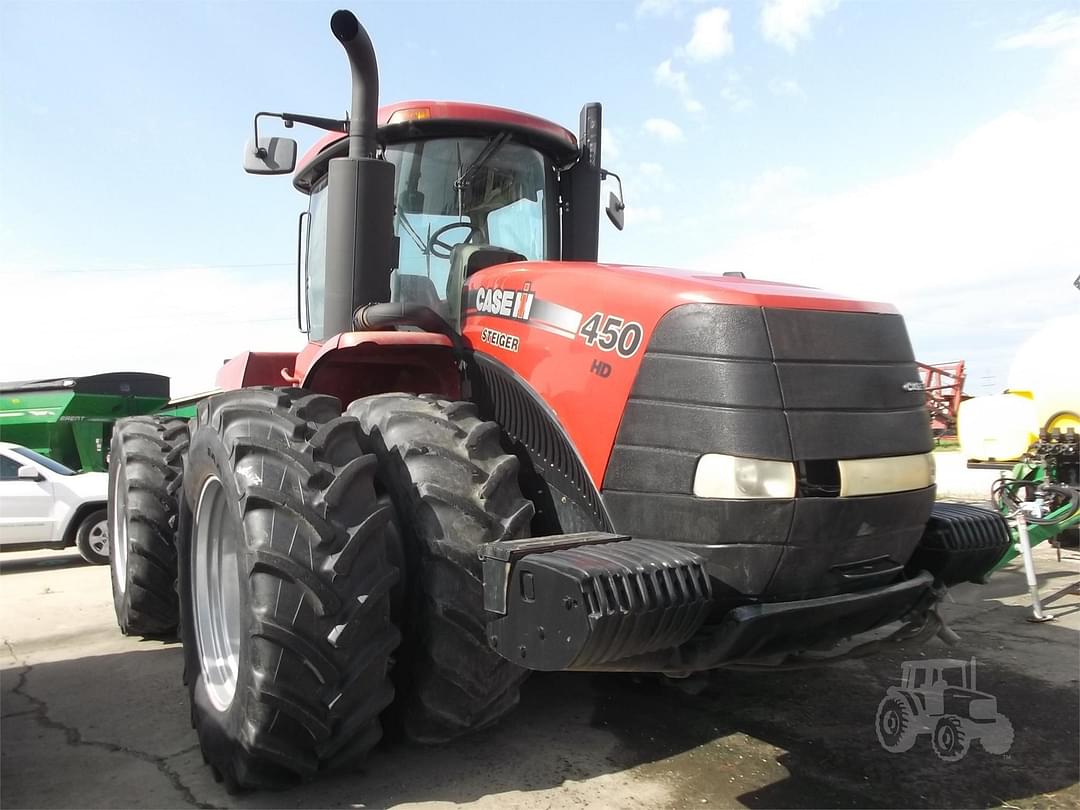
<point>785,22</point>
<point>655,8</point>
<point>712,35</point>
<point>1056,30</point>
<point>786,87</point>
<point>732,89</point>
<point>182,323</point>
<point>1060,34</point>
<point>665,130</point>
<point>666,76</point>
<point>975,247</point>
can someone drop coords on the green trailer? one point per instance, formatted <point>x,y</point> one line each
<point>70,419</point>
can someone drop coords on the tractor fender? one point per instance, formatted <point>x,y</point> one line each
<point>358,364</point>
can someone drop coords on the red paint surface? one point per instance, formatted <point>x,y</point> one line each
<point>559,368</point>
<point>454,111</point>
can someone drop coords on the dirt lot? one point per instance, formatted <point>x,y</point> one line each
<point>91,719</point>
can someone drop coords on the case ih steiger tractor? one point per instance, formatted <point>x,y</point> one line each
<point>546,463</point>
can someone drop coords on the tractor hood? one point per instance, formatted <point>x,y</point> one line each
<point>649,370</point>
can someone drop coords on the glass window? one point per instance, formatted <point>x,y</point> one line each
<point>9,469</point>
<point>485,191</point>
<point>44,461</point>
<point>316,259</point>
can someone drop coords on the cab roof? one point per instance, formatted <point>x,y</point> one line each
<point>412,120</point>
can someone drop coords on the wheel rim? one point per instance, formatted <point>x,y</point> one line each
<point>119,532</point>
<point>99,538</point>
<point>216,592</point>
<point>891,722</point>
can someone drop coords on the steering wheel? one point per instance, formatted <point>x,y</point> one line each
<point>436,244</point>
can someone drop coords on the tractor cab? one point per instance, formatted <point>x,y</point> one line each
<point>474,186</point>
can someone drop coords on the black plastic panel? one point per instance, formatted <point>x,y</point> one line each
<point>648,469</point>
<point>849,386</point>
<point>830,537</point>
<point>845,434</point>
<point>759,433</point>
<point>712,330</point>
<point>801,385</point>
<point>802,334</point>
<point>731,383</point>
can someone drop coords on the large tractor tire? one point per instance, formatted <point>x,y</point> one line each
<point>454,488</point>
<point>146,466</point>
<point>285,582</point>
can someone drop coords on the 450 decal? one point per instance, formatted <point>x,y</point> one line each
<point>611,334</point>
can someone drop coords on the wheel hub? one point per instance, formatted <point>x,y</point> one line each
<point>216,592</point>
<point>99,538</point>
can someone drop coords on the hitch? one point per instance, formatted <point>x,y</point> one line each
<point>578,601</point>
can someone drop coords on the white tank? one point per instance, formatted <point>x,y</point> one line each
<point>1043,384</point>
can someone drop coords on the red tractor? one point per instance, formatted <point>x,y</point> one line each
<point>546,463</point>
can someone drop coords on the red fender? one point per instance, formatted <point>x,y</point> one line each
<point>354,364</point>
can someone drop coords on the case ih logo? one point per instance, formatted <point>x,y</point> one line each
<point>516,304</point>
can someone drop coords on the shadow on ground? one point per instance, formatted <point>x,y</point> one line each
<point>113,731</point>
<point>40,562</point>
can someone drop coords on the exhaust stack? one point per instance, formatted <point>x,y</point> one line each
<point>365,82</point>
<point>360,242</point>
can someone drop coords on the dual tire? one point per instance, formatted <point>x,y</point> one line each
<point>306,539</point>
<point>145,477</point>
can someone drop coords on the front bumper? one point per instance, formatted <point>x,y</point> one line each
<point>604,602</point>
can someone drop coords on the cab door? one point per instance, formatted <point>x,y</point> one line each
<point>26,506</point>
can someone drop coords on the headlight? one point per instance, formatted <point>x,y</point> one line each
<point>720,476</point>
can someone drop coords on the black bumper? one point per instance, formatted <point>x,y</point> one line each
<point>604,602</point>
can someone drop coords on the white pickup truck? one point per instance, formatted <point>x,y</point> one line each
<point>43,504</point>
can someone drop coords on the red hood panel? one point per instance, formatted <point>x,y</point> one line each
<point>576,332</point>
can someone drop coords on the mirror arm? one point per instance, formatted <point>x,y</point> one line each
<point>289,119</point>
<point>604,175</point>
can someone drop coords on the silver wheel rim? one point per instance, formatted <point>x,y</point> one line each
<point>99,538</point>
<point>119,532</point>
<point>216,592</point>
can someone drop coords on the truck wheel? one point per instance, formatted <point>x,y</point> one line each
<point>284,588</point>
<point>92,537</point>
<point>145,475</point>
<point>895,725</point>
<point>950,740</point>
<point>454,488</point>
<point>998,738</point>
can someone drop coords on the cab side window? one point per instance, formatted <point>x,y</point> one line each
<point>9,469</point>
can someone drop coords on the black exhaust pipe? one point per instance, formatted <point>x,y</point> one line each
<point>361,249</point>
<point>365,82</point>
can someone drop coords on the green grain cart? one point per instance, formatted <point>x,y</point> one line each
<point>70,419</point>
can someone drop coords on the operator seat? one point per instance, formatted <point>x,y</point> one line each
<point>465,260</point>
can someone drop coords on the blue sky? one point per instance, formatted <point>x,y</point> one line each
<point>918,152</point>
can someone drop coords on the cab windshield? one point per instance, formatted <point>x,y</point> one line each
<point>480,191</point>
<point>449,191</point>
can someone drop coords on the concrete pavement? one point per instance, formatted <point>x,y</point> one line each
<point>93,719</point>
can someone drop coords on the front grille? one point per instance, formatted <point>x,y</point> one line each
<point>805,386</point>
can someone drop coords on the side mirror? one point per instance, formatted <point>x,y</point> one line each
<point>270,156</point>
<point>28,473</point>
<point>615,209</point>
